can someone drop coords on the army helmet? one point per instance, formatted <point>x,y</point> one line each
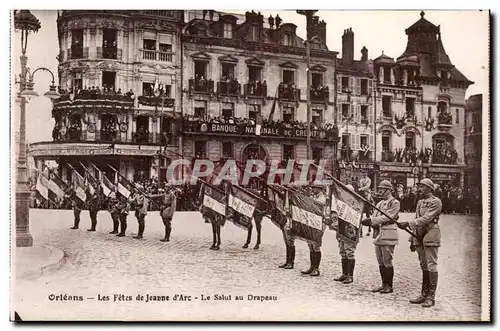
<point>427,182</point>
<point>385,184</point>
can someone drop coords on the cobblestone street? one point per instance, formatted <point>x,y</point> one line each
<point>98,264</point>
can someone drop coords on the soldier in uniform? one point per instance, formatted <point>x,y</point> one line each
<point>138,202</point>
<point>385,234</point>
<point>346,250</point>
<point>123,207</point>
<point>77,205</point>
<point>428,240</point>
<point>364,190</point>
<point>167,210</point>
<point>114,212</point>
<point>93,205</point>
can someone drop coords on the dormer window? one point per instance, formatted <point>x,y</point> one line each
<point>228,31</point>
<point>387,75</point>
<point>288,41</point>
<point>253,33</point>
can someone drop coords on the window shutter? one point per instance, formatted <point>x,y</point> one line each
<point>339,83</point>
<point>339,113</point>
<point>370,115</point>
<point>351,84</point>
<point>370,141</point>
<point>358,115</point>
<point>370,87</point>
<point>358,86</point>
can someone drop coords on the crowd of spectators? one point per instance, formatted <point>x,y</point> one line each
<point>257,88</point>
<point>96,93</point>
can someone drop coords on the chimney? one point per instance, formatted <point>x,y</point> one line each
<point>319,29</point>
<point>364,54</point>
<point>348,46</point>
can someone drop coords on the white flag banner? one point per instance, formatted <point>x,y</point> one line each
<point>241,206</point>
<point>214,205</point>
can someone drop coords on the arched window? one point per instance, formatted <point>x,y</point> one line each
<point>386,141</point>
<point>442,107</point>
<point>410,140</point>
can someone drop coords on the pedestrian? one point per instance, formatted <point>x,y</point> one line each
<point>114,212</point>
<point>428,240</point>
<point>347,251</point>
<point>93,204</point>
<point>167,210</point>
<point>385,234</point>
<point>123,206</point>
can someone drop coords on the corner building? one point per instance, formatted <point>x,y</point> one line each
<point>419,112</point>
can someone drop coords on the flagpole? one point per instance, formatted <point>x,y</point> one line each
<point>366,201</point>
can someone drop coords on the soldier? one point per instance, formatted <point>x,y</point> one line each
<point>428,240</point>
<point>114,212</point>
<point>77,205</point>
<point>364,190</point>
<point>123,207</point>
<point>139,203</point>
<point>167,210</point>
<point>346,250</point>
<point>385,234</point>
<point>93,204</point>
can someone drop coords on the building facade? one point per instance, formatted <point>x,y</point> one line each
<point>473,141</point>
<point>119,75</point>
<point>419,111</point>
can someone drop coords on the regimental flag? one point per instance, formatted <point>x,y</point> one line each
<point>347,207</point>
<point>107,185</point>
<point>42,186</point>
<point>277,196</point>
<point>124,186</point>
<point>242,205</point>
<point>57,186</point>
<point>306,217</point>
<point>79,185</point>
<point>213,204</point>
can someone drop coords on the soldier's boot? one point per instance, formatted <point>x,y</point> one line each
<point>389,273</point>
<point>116,224</point>
<point>93,224</point>
<point>317,261</point>
<point>344,271</point>
<point>140,232</point>
<point>75,226</point>
<point>311,267</point>
<point>349,279</point>
<point>291,259</point>
<point>122,231</point>
<point>429,301</point>
<point>425,289</point>
<point>168,229</point>
<point>287,258</point>
<point>383,275</point>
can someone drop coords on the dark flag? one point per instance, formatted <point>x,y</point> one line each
<point>347,207</point>
<point>242,205</point>
<point>79,185</point>
<point>273,108</point>
<point>307,217</point>
<point>213,204</point>
<point>278,196</point>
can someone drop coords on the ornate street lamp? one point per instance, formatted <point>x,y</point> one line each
<point>26,23</point>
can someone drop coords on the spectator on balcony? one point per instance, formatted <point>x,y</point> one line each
<point>278,21</point>
<point>56,133</point>
<point>270,20</point>
<point>142,134</point>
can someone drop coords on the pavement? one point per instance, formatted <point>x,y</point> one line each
<point>32,262</point>
<point>104,276</point>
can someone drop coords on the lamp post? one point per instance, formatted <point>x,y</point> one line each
<point>25,22</point>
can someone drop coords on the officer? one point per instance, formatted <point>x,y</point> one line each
<point>346,250</point>
<point>123,207</point>
<point>385,234</point>
<point>114,212</point>
<point>77,205</point>
<point>167,210</point>
<point>428,240</point>
<point>138,202</point>
<point>93,205</point>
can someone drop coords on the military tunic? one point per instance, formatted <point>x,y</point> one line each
<point>385,234</point>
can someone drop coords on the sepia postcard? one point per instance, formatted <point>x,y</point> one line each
<point>251,165</point>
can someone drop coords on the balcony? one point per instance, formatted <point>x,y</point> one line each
<point>156,101</point>
<point>110,52</point>
<point>288,92</point>
<point>258,90</point>
<point>199,85</point>
<point>319,94</point>
<point>77,51</point>
<point>444,155</point>
<point>387,156</point>
<point>229,88</point>
<point>93,98</point>
<point>346,153</point>
<point>445,121</point>
<point>152,55</point>
<point>365,155</point>
<point>364,121</point>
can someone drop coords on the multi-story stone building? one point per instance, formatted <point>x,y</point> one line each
<point>355,111</point>
<point>419,111</point>
<point>241,70</point>
<point>119,73</point>
<point>473,141</point>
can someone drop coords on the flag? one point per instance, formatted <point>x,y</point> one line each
<point>306,217</point>
<point>56,185</point>
<point>97,171</point>
<point>277,195</point>
<point>124,186</point>
<point>79,185</point>
<point>42,186</point>
<point>273,108</point>
<point>213,205</point>
<point>107,185</point>
<point>347,207</point>
<point>241,205</point>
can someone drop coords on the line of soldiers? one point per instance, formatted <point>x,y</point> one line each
<point>385,238</point>
<point>120,206</point>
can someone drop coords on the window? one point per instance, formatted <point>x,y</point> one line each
<point>227,113</point>
<point>410,140</point>
<point>108,79</point>
<point>165,48</point>
<point>253,111</point>
<point>227,71</point>
<point>199,112</point>
<point>317,117</point>
<point>199,149</point>
<point>77,81</point>
<point>442,107</point>
<point>165,54</point>
<point>109,43</point>
<point>345,111</point>
<point>364,114</point>
<point>227,150</point>
<point>364,87</point>
<point>363,141</point>
<point>288,76</point>
<point>254,74</point>
<point>345,84</point>
<point>253,34</point>
<point>317,79</point>
<point>288,152</point>
<point>345,140</point>
<point>228,31</point>
<point>386,106</point>
<point>387,75</point>
<point>288,39</point>
<point>411,77</point>
<point>410,107</point>
<point>429,112</point>
<point>200,69</point>
<point>386,141</point>
<point>147,89</point>
<point>317,154</point>
<point>77,43</point>
<point>457,116</point>
<point>149,44</point>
